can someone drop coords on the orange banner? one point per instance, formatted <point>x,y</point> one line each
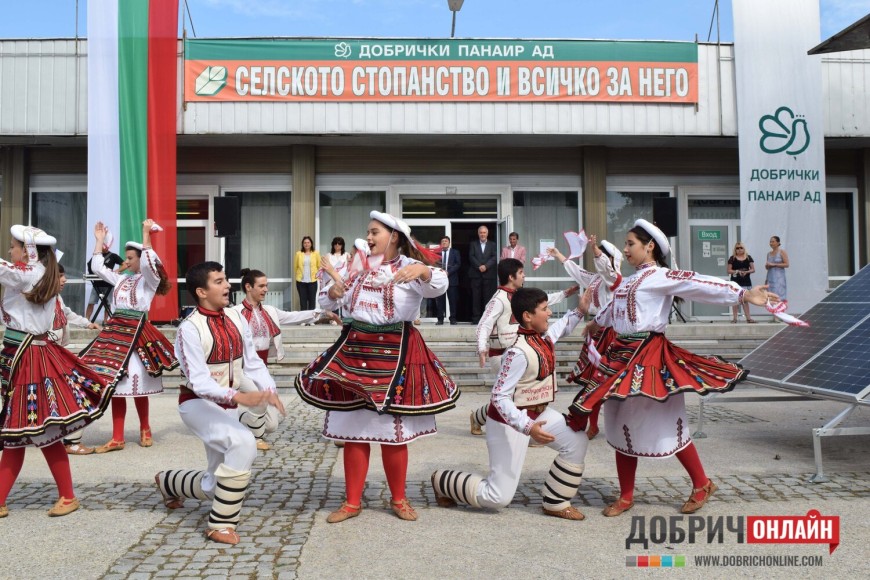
<point>433,80</point>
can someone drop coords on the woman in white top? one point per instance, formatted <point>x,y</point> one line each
<point>379,382</point>
<point>130,352</point>
<point>642,375</point>
<point>46,390</point>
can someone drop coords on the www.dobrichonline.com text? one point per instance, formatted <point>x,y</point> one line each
<point>759,561</point>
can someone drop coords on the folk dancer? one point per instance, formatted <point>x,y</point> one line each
<point>497,330</point>
<point>47,392</point>
<point>130,352</point>
<point>265,322</point>
<point>379,382</point>
<point>642,376</point>
<point>608,261</point>
<point>519,409</point>
<point>217,355</point>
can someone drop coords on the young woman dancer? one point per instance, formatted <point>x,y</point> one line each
<point>642,376</point>
<point>130,352</point>
<point>46,390</point>
<point>379,382</point>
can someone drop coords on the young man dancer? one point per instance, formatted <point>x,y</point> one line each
<point>497,329</point>
<point>217,357</point>
<point>264,321</point>
<point>518,410</point>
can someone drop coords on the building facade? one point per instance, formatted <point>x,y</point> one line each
<point>318,168</point>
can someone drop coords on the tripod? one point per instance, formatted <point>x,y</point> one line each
<point>676,310</point>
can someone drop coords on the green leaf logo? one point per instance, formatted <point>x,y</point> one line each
<point>784,131</point>
<point>211,81</point>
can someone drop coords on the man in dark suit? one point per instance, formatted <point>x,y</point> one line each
<point>451,262</point>
<point>482,273</point>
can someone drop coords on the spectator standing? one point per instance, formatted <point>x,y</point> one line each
<point>740,267</point>
<point>451,261</point>
<point>305,265</point>
<point>481,272</point>
<point>777,262</point>
<point>514,249</point>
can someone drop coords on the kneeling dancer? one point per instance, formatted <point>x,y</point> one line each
<point>526,384</point>
<point>217,356</point>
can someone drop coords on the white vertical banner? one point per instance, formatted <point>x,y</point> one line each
<point>781,137</point>
<point>104,148</point>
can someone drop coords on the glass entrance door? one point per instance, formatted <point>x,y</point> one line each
<point>711,243</point>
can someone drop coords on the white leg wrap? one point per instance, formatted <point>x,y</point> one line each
<point>458,486</point>
<point>182,483</point>
<point>254,421</point>
<point>229,493</point>
<point>480,415</point>
<point>561,484</point>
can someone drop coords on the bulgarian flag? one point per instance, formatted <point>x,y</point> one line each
<point>132,111</point>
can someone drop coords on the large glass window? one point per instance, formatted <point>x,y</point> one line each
<point>545,215</point>
<point>346,214</point>
<point>263,242</point>
<point>623,208</point>
<point>841,233</point>
<point>64,216</point>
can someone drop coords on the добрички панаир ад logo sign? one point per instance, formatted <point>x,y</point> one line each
<point>784,132</point>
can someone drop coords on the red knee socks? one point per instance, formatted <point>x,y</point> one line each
<point>395,458</point>
<point>142,411</point>
<point>10,466</point>
<point>626,467</point>
<point>356,466</point>
<point>58,463</point>
<point>119,411</point>
<point>692,463</point>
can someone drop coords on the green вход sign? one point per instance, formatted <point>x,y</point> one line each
<point>709,234</point>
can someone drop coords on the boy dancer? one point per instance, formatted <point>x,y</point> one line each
<point>497,329</point>
<point>214,345</point>
<point>518,410</point>
<point>264,321</point>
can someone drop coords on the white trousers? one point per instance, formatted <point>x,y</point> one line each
<point>507,453</point>
<point>225,439</point>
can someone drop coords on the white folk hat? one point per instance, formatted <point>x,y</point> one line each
<point>658,235</point>
<point>134,246</point>
<point>31,235</point>
<point>393,222</point>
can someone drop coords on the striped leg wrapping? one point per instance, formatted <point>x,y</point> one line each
<point>182,483</point>
<point>229,493</point>
<point>459,486</point>
<point>480,415</point>
<point>255,422</point>
<point>561,484</point>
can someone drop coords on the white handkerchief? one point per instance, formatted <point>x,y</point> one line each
<point>594,355</point>
<point>577,242</point>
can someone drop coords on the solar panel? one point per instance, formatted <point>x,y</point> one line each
<point>832,356</point>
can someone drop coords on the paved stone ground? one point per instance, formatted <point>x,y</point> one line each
<point>301,479</point>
